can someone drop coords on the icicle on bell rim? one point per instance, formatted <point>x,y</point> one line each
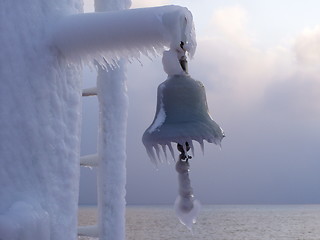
<point>182,116</point>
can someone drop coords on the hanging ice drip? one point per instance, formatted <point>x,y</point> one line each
<point>182,116</point>
<point>186,206</point>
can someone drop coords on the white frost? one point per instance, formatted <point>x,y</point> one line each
<point>40,106</point>
<point>113,102</point>
<point>127,33</point>
<point>170,62</point>
<point>24,221</point>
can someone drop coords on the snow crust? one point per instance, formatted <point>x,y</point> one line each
<point>24,221</point>
<point>128,33</point>
<point>40,106</point>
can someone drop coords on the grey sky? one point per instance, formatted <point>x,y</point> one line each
<point>262,88</point>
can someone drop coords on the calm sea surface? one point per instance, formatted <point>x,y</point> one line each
<point>227,222</point>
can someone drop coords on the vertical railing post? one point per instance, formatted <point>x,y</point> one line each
<point>113,105</point>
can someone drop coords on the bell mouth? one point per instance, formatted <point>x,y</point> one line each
<point>182,132</point>
<point>163,137</point>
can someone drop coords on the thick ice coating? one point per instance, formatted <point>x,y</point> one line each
<point>107,36</point>
<point>181,116</point>
<point>186,206</point>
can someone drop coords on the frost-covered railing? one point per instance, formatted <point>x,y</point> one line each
<point>105,38</point>
<point>127,33</point>
<point>43,47</point>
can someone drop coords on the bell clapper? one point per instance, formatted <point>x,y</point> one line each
<point>184,149</point>
<point>183,59</point>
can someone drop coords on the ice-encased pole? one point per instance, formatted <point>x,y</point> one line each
<point>113,104</point>
<point>113,111</point>
<point>40,109</point>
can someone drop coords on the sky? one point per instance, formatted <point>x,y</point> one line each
<point>260,64</point>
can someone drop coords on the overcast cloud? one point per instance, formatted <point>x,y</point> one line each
<point>266,98</point>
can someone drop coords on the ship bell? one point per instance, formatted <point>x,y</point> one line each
<point>182,116</point>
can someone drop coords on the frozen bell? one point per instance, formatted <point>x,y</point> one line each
<point>182,116</point>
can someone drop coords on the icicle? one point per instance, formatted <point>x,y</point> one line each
<point>164,152</point>
<point>171,150</point>
<point>202,146</point>
<point>184,145</point>
<point>156,147</point>
<point>151,154</point>
<point>192,147</point>
<point>94,35</point>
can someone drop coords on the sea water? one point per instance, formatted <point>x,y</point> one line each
<point>219,222</point>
